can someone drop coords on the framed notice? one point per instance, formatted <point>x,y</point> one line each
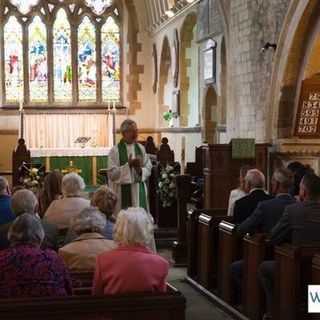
<point>308,115</point>
<point>209,62</point>
<point>243,148</point>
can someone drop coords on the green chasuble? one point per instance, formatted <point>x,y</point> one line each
<point>126,196</point>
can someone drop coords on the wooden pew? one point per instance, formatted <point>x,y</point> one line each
<point>254,253</point>
<point>315,273</point>
<point>169,306</point>
<point>229,251</point>
<point>292,275</point>
<point>82,282</point>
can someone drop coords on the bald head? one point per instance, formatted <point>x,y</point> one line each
<point>254,179</point>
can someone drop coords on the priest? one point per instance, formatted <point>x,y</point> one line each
<point>129,167</point>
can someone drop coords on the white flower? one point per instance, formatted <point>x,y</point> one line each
<point>34,170</point>
<point>164,176</point>
<point>34,183</point>
<point>172,185</point>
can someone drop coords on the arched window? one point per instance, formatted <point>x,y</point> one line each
<point>13,60</point>
<point>87,69</point>
<point>62,58</point>
<point>51,57</point>
<point>110,55</point>
<point>38,63</point>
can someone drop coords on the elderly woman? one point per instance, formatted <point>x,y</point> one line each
<point>51,190</point>
<point>105,200</point>
<point>25,269</point>
<point>61,211</point>
<point>132,267</point>
<point>80,254</point>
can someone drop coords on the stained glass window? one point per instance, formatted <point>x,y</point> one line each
<point>87,61</point>
<point>62,57</point>
<point>13,60</point>
<point>99,6</point>
<point>110,55</point>
<point>24,6</point>
<point>38,70</point>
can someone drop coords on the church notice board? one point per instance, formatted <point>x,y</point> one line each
<point>307,120</point>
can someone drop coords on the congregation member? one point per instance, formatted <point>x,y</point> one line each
<point>129,167</point>
<point>264,218</point>
<point>25,201</point>
<point>81,253</point>
<point>6,214</point>
<point>61,211</point>
<point>268,212</point>
<point>132,267</point>
<point>51,190</point>
<point>238,193</point>
<point>255,187</point>
<point>299,225</point>
<point>105,200</point>
<point>25,269</point>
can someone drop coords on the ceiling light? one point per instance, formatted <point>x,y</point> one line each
<point>170,13</point>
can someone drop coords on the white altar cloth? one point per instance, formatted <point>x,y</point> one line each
<point>69,152</point>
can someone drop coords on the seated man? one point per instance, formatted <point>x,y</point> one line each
<point>24,201</point>
<point>299,225</point>
<point>264,217</point>
<point>268,213</point>
<point>6,214</point>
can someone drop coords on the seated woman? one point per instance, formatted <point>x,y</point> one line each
<point>61,211</point>
<point>81,253</point>
<point>25,269</point>
<point>105,200</point>
<point>132,267</point>
<point>51,191</point>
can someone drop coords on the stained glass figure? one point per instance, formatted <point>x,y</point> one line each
<point>110,55</point>
<point>38,69</point>
<point>13,60</point>
<point>99,6</point>
<point>62,57</point>
<point>24,6</point>
<point>87,73</point>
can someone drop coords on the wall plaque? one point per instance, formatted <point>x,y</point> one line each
<point>209,62</point>
<point>307,120</point>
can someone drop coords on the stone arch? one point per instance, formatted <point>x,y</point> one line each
<point>165,76</point>
<point>294,45</point>
<point>210,115</point>
<point>188,60</point>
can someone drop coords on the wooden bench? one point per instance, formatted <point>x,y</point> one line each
<point>169,306</point>
<point>254,253</point>
<point>229,251</point>
<point>292,275</point>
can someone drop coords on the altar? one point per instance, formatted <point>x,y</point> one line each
<point>89,160</point>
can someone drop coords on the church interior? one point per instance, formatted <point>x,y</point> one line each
<point>159,159</point>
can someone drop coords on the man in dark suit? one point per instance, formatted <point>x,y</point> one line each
<point>299,225</point>
<point>264,218</point>
<point>254,185</point>
<point>268,213</point>
<point>24,201</point>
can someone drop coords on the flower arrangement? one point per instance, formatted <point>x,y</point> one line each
<point>31,178</point>
<point>169,116</point>
<point>167,186</point>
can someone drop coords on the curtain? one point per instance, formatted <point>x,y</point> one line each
<point>61,130</point>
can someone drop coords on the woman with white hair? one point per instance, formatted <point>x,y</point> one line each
<point>132,267</point>
<point>61,211</point>
<point>25,269</point>
<point>81,253</point>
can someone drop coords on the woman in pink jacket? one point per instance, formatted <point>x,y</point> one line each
<point>132,267</point>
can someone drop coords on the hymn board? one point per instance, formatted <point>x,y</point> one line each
<point>308,116</point>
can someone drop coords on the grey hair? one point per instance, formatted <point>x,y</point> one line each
<point>255,178</point>
<point>24,201</point>
<point>126,124</point>
<point>133,226</point>
<point>26,229</point>
<point>88,220</point>
<point>3,184</point>
<point>284,177</point>
<point>72,184</point>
